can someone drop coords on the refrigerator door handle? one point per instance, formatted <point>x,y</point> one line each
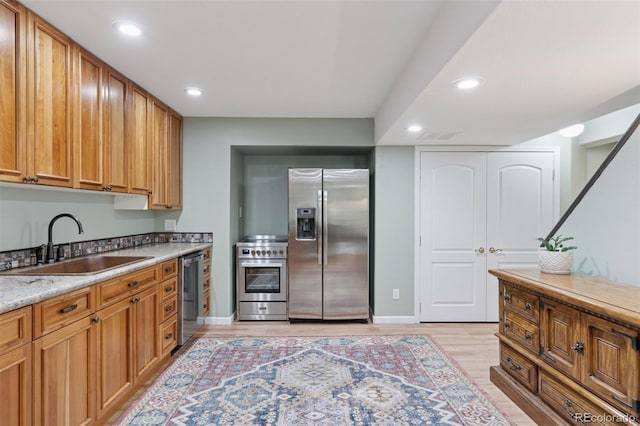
<point>319,224</point>
<point>325,226</point>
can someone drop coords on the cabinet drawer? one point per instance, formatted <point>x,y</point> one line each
<point>521,330</point>
<point>522,369</point>
<point>168,288</point>
<point>122,287</point>
<point>522,302</point>
<point>59,311</point>
<point>168,308</point>
<point>15,329</point>
<point>575,407</point>
<point>169,336</point>
<point>169,269</point>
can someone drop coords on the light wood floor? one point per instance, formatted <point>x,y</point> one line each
<point>472,346</point>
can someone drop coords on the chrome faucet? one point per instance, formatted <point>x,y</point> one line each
<point>50,255</point>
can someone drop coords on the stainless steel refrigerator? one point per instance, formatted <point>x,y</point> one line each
<point>329,244</point>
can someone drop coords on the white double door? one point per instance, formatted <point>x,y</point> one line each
<point>479,211</point>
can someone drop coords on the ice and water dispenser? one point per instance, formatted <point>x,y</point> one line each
<point>306,224</point>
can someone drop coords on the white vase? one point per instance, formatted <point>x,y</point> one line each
<point>555,262</point>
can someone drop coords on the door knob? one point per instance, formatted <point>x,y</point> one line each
<point>494,250</point>
<point>480,250</point>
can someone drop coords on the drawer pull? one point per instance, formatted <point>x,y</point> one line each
<point>262,308</point>
<point>512,366</point>
<point>527,336</point>
<point>168,308</point>
<point>168,269</point>
<point>133,284</point>
<point>205,307</point>
<point>578,347</point>
<point>506,324</point>
<point>168,289</point>
<point>96,320</point>
<point>567,406</point>
<point>69,309</point>
<point>135,300</point>
<point>527,306</point>
<point>168,336</point>
<point>507,298</point>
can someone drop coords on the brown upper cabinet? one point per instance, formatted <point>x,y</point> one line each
<point>50,99</point>
<point>13,80</point>
<point>166,182</point>
<point>70,120</point>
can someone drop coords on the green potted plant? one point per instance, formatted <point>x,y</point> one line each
<point>554,256</point>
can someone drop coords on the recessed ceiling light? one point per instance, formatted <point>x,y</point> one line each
<point>193,91</point>
<point>467,83</point>
<point>127,28</point>
<point>572,131</point>
<point>414,128</point>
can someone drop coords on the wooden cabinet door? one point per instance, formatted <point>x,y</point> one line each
<point>115,345</point>
<point>611,365</point>
<point>89,157</point>
<point>159,165</point>
<point>116,148</point>
<point>139,136</point>
<point>174,163</point>
<point>64,376</point>
<point>13,66</point>
<point>145,331</point>
<point>15,386</point>
<point>560,339</point>
<point>49,104</point>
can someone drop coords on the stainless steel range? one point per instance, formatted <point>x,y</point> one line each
<point>262,277</point>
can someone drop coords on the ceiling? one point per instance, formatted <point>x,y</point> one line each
<point>544,64</point>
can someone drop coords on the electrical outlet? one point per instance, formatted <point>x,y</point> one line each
<point>396,293</point>
<point>170,225</point>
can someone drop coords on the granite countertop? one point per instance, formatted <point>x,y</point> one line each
<point>17,291</point>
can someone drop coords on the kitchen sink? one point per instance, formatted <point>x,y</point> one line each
<point>80,266</point>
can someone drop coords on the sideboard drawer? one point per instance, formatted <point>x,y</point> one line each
<point>525,304</point>
<point>62,310</point>
<point>521,330</point>
<point>522,369</point>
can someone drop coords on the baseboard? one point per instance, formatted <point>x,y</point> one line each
<point>217,320</point>
<point>380,319</point>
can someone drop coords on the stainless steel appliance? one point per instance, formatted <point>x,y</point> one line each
<point>190,295</point>
<point>261,277</point>
<point>329,244</point>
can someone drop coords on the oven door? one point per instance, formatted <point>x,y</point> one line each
<point>262,280</point>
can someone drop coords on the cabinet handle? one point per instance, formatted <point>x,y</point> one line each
<point>96,320</point>
<point>168,206</point>
<point>527,306</point>
<point>168,289</point>
<point>507,298</point>
<point>133,284</point>
<point>527,336</point>
<point>35,179</point>
<point>512,366</point>
<point>169,269</point>
<point>69,309</point>
<point>567,406</point>
<point>168,336</point>
<point>168,308</point>
<point>506,324</point>
<point>578,347</point>
<point>135,300</point>
<point>27,179</point>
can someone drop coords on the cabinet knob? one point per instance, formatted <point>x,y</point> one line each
<point>168,308</point>
<point>27,179</point>
<point>578,347</point>
<point>494,250</point>
<point>96,320</point>
<point>507,298</point>
<point>168,336</point>
<point>479,250</point>
<point>527,336</point>
<point>527,306</point>
<point>35,179</point>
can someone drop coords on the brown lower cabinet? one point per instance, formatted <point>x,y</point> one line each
<point>569,348</point>
<point>92,350</point>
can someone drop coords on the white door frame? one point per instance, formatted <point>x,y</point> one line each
<point>419,149</point>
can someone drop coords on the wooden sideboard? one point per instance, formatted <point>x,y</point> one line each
<point>569,347</point>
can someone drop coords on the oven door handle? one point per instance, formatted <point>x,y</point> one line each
<point>264,265</point>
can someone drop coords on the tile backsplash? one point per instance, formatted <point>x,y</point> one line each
<point>27,257</point>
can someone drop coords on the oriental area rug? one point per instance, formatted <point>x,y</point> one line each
<point>316,381</point>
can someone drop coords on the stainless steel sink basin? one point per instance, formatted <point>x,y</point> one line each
<point>80,266</point>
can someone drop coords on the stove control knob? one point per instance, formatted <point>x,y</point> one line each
<point>281,252</point>
<point>253,252</point>
<point>269,252</point>
<point>263,252</point>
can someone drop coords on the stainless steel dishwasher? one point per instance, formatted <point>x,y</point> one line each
<point>190,295</point>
